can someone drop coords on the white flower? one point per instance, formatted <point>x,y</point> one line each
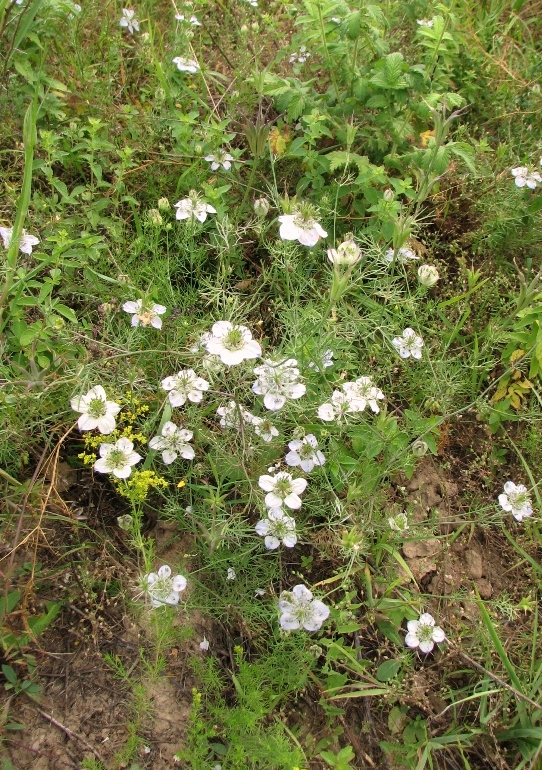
<point>423,633</point>
<point>232,343</point>
<point>204,645</point>
<point>117,458</point>
<point>300,56</point>
<point>301,226</point>
<point>525,177</point>
<point>282,489</point>
<point>193,20</point>
<point>129,20</point>
<point>428,275</point>
<point>145,314</point>
<point>173,441</point>
<point>96,411</point>
<point>410,344</point>
<point>299,609</point>
<point>516,500</point>
<point>336,408</point>
<point>162,588</point>
<point>403,255</point>
<point>398,523</point>
<point>305,453</point>
<point>277,382</point>
<point>277,528</point>
<point>231,575</point>
<point>253,3</point>
<point>425,22</point>
<point>361,393</point>
<point>233,415</point>
<point>326,361</point>
<point>346,254</point>
<point>356,396</point>
<point>193,206</point>
<point>221,158</point>
<point>26,242</point>
<point>264,428</point>
<point>186,65</point>
<point>185,385</point>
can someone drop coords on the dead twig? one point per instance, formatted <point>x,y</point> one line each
<point>73,736</point>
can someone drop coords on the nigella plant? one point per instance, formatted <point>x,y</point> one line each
<point>299,609</point>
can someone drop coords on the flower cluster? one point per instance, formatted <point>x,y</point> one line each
<point>277,382</point>
<point>354,398</point>
<point>162,588</point>
<point>298,609</point>
<point>233,415</point>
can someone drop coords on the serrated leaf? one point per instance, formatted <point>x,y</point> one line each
<point>465,152</point>
<point>377,102</point>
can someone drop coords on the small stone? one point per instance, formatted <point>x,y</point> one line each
<point>473,560</point>
<point>422,548</point>
<point>485,589</point>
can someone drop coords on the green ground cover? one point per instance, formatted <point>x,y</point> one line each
<point>271,383</point>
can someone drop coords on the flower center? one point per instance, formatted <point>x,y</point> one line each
<point>425,632</point>
<point>97,408</point>
<point>145,317</point>
<point>305,451</point>
<point>116,459</point>
<point>283,487</point>
<point>305,222</point>
<point>234,340</point>
<point>161,588</point>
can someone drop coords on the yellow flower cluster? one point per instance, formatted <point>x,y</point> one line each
<point>136,488</point>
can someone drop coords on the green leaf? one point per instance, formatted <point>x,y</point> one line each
<point>389,630</point>
<point>66,311</point>
<point>9,673</point>
<point>388,670</point>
